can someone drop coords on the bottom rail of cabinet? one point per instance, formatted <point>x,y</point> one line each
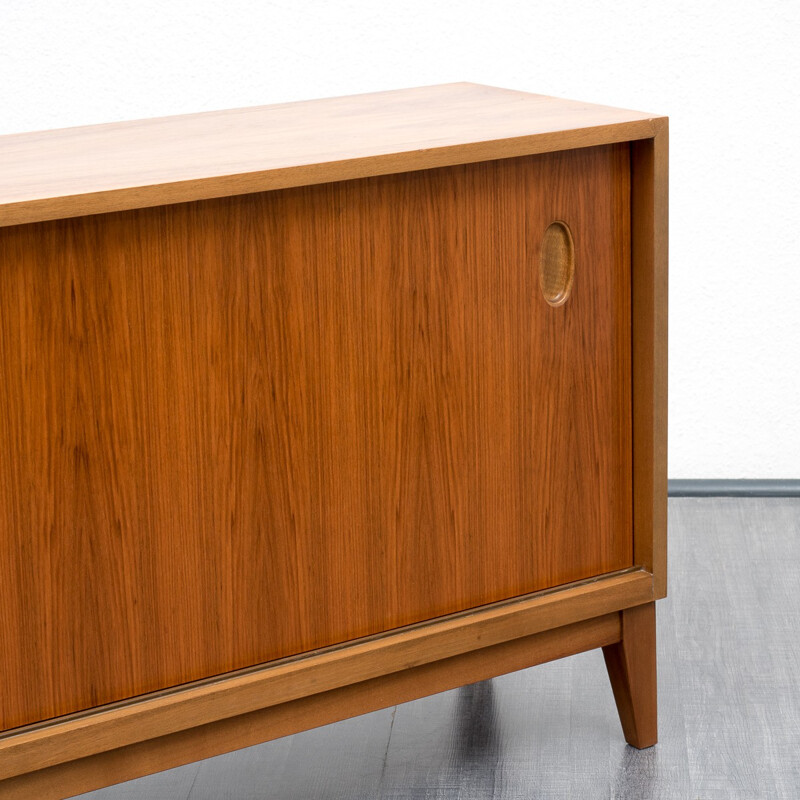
<point>71,755</point>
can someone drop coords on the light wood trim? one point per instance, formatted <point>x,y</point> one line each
<point>125,763</point>
<point>117,166</point>
<point>155,716</point>
<point>649,233</point>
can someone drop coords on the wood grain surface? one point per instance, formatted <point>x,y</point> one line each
<point>649,296</point>
<point>199,704</point>
<point>243,428</point>
<point>729,709</point>
<point>152,755</point>
<point>557,264</point>
<point>631,665</point>
<point>116,166</point>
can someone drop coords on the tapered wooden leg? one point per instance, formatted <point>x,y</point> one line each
<point>631,665</point>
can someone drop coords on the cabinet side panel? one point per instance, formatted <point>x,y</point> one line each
<point>244,428</point>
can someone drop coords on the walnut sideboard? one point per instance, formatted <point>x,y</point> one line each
<point>311,409</point>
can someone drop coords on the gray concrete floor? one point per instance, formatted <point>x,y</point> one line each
<point>729,696</point>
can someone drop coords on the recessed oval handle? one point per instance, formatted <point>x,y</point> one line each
<point>557,263</point>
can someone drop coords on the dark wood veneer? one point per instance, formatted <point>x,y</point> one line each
<point>245,428</point>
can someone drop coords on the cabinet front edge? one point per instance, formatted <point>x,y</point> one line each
<point>125,198</point>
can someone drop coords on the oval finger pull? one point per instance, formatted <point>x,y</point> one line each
<point>557,263</point>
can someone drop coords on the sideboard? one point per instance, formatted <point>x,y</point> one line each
<point>311,409</point>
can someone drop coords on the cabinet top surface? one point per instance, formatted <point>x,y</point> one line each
<point>123,165</point>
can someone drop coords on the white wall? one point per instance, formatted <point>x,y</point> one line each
<point>728,74</point>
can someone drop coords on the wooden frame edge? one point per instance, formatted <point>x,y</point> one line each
<point>143,758</point>
<point>649,278</point>
<point>154,717</point>
<point>129,198</point>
